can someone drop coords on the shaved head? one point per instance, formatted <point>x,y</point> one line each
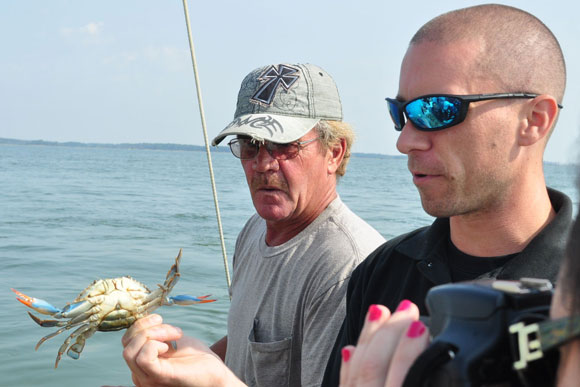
<point>518,52</point>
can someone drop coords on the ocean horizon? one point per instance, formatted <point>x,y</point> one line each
<point>150,145</point>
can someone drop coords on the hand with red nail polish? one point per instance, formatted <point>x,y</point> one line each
<point>387,347</point>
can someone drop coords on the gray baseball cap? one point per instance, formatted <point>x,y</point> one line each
<point>281,103</point>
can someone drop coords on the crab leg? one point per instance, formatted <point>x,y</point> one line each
<point>75,350</point>
<point>172,275</point>
<point>80,330</point>
<point>48,323</point>
<point>150,306</point>
<point>184,299</point>
<point>155,295</point>
<point>41,306</point>
<point>50,336</point>
<point>76,310</point>
<point>159,297</point>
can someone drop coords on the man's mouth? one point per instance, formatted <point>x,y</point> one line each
<point>271,184</point>
<point>269,188</point>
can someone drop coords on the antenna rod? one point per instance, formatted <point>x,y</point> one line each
<point>202,115</point>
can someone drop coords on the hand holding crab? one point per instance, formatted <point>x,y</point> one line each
<point>154,362</point>
<point>106,305</point>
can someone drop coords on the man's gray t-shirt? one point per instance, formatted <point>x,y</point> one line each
<point>288,300</point>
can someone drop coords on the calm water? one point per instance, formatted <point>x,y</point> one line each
<point>71,215</point>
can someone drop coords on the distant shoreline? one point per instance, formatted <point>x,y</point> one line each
<point>151,146</point>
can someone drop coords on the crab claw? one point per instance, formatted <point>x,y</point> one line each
<point>37,304</point>
<point>47,323</point>
<point>184,299</point>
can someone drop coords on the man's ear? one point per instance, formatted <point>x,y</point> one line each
<point>336,154</point>
<point>541,116</point>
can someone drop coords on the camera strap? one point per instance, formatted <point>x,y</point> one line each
<point>437,354</point>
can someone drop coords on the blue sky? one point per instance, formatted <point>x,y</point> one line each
<point>120,71</point>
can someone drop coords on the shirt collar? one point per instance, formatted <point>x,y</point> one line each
<point>428,247</point>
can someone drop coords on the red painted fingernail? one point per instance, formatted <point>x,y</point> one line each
<point>345,354</point>
<point>374,312</point>
<point>416,329</point>
<point>404,305</point>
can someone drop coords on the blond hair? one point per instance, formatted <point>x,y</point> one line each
<point>330,133</point>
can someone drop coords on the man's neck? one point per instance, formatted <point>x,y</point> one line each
<point>504,230</point>
<point>281,232</point>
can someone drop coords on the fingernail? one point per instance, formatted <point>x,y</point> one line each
<point>404,305</point>
<point>416,329</point>
<point>155,318</point>
<point>345,354</point>
<point>374,312</point>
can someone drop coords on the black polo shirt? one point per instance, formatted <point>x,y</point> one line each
<point>407,266</point>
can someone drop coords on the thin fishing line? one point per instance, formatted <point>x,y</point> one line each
<point>202,115</point>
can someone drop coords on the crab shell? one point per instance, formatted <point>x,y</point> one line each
<point>106,305</point>
<point>118,302</point>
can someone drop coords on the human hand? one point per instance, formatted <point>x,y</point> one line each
<point>387,347</point>
<point>155,362</point>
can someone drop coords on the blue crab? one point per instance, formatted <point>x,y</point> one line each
<point>106,305</point>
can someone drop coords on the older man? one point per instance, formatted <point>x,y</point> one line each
<point>479,93</point>
<point>292,259</point>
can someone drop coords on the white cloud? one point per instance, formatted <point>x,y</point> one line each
<point>91,30</point>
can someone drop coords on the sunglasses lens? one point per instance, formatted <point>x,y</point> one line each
<point>282,151</point>
<point>433,113</point>
<point>243,148</point>
<point>396,114</point>
<point>248,149</point>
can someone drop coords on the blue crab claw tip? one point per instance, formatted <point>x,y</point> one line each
<point>184,299</point>
<point>37,304</point>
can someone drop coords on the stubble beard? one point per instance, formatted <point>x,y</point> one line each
<point>463,199</point>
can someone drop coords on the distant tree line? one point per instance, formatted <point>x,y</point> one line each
<point>180,147</point>
<point>173,147</point>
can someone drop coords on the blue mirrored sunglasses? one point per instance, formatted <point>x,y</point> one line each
<point>439,111</point>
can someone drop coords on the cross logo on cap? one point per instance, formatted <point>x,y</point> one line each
<point>274,77</point>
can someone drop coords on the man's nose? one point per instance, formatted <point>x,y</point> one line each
<point>264,161</point>
<point>412,139</point>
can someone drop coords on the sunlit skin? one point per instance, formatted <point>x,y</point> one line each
<point>485,173</point>
<point>569,366</point>
<point>290,194</point>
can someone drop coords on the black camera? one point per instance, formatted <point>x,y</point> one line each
<point>478,328</point>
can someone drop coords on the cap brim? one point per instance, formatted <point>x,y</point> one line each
<point>270,127</point>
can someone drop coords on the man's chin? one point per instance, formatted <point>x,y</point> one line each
<point>272,213</point>
<point>440,208</point>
